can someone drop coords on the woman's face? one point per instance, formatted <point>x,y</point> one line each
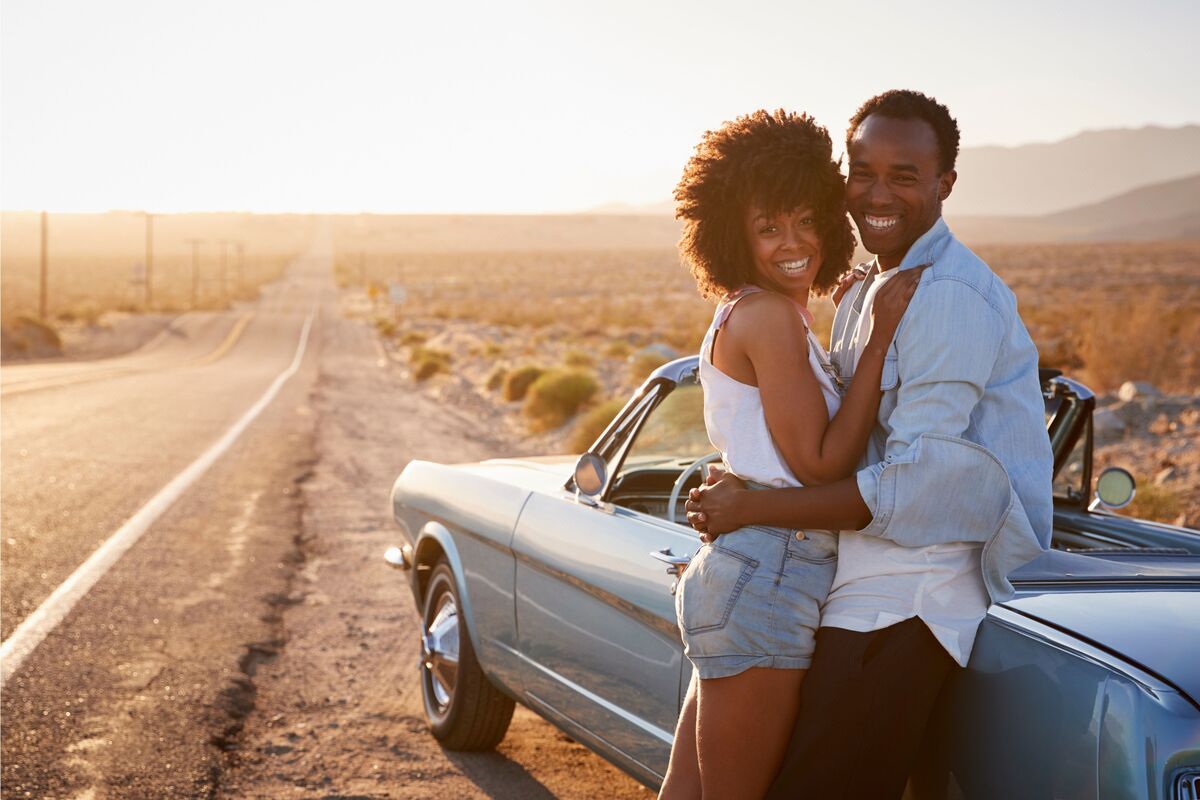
<point>785,249</point>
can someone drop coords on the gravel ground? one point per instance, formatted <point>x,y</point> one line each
<point>338,712</point>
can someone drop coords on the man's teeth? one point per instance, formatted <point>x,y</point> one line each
<point>793,267</point>
<point>880,223</point>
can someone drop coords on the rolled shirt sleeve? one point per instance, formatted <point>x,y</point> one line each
<point>933,485</point>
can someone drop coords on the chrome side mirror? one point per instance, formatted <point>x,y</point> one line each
<point>591,473</point>
<point>1115,488</point>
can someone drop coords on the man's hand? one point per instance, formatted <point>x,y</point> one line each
<point>712,508</point>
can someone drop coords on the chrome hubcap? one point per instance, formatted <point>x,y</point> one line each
<point>439,650</point>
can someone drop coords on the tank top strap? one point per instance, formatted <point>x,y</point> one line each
<point>730,300</point>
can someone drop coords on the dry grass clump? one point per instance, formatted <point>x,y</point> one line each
<point>518,381</point>
<point>428,362</point>
<point>410,338</point>
<point>495,378</point>
<point>1110,312</point>
<point>578,358</point>
<point>1154,502</point>
<point>592,424</point>
<point>556,395</point>
<point>643,363</point>
<point>617,349</point>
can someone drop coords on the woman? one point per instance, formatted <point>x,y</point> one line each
<point>765,226</point>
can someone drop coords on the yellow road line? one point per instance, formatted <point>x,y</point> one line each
<point>230,340</point>
<point>34,385</point>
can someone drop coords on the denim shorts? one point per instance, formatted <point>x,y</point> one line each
<point>753,599</point>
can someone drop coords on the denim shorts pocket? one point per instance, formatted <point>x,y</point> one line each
<point>816,548</point>
<point>812,558</point>
<point>710,587</point>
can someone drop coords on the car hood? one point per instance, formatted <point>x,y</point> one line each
<point>545,474</point>
<point>1153,628</point>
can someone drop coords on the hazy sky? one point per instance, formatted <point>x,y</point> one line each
<point>523,105</point>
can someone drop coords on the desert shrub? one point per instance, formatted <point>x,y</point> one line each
<point>556,395</point>
<point>518,381</point>
<point>495,378</point>
<point>617,349</point>
<point>428,362</point>
<point>385,326</point>
<point>642,364</point>
<point>27,336</point>
<point>1143,344</point>
<point>410,338</point>
<point>578,358</point>
<point>592,424</point>
<point>1154,502</point>
<point>88,313</point>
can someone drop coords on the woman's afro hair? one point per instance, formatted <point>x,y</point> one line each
<point>773,162</point>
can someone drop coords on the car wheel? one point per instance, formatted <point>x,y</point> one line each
<point>465,711</point>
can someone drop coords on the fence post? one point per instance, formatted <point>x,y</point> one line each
<point>149,259</point>
<point>43,293</point>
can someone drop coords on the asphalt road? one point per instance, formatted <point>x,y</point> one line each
<point>144,681</point>
<point>250,643</point>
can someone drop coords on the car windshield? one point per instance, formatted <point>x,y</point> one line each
<point>674,430</point>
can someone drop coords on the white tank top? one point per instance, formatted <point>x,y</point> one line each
<point>733,411</point>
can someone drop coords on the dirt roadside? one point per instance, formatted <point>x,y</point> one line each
<point>338,713</point>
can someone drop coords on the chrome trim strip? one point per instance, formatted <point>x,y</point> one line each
<point>641,615</point>
<point>663,736</point>
<point>1035,629</point>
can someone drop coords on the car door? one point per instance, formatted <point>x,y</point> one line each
<point>596,615</point>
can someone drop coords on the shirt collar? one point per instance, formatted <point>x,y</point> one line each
<point>926,249</point>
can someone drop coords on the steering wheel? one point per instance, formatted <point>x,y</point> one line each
<point>677,489</point>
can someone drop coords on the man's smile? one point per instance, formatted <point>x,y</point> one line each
<point>880,223</point>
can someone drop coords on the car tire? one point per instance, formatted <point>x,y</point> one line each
<point>465,711</point>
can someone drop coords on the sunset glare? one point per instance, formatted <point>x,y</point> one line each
<point>523,106</point>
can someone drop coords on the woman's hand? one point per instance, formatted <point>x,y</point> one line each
<point>890,303</point>
<point>846,281</point>
<point>713,508</point>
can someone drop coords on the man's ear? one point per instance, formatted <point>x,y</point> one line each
<point>946,184</point>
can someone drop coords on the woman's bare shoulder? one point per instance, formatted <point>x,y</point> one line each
<point>765,314</point>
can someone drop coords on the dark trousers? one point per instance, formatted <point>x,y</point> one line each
<point>864,706</point>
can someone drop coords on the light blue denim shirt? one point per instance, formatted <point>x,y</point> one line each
<point>960,453</point>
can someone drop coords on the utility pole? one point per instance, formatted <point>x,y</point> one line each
<point>149,259</point>
<point>241,249</point>
<point>224,243</point>
<point>43,294</point>
<point>195,243</point>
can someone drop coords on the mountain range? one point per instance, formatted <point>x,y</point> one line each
<point>1108,185</point>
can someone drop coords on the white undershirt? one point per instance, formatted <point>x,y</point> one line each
<point>879,583</point>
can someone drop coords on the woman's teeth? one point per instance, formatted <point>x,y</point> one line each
<point>880,223</point>
<point>793,267</point>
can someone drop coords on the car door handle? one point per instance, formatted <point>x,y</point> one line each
<point>675,564</point>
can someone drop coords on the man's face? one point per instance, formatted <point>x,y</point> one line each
<point>895,189</point>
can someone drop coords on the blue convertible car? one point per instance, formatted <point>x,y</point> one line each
<point>549,581</point>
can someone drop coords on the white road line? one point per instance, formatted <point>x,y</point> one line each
<point>34,628</point>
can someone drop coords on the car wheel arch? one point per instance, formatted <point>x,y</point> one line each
<point>434,543</point>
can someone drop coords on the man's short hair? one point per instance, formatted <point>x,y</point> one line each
<point>907,104</point>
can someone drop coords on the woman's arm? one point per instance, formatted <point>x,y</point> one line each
<point>726,505</point>
<point>816,450</point>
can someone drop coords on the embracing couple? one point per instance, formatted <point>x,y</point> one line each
<point>875,498</point>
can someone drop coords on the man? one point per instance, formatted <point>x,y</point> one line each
<point>955,491</point>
